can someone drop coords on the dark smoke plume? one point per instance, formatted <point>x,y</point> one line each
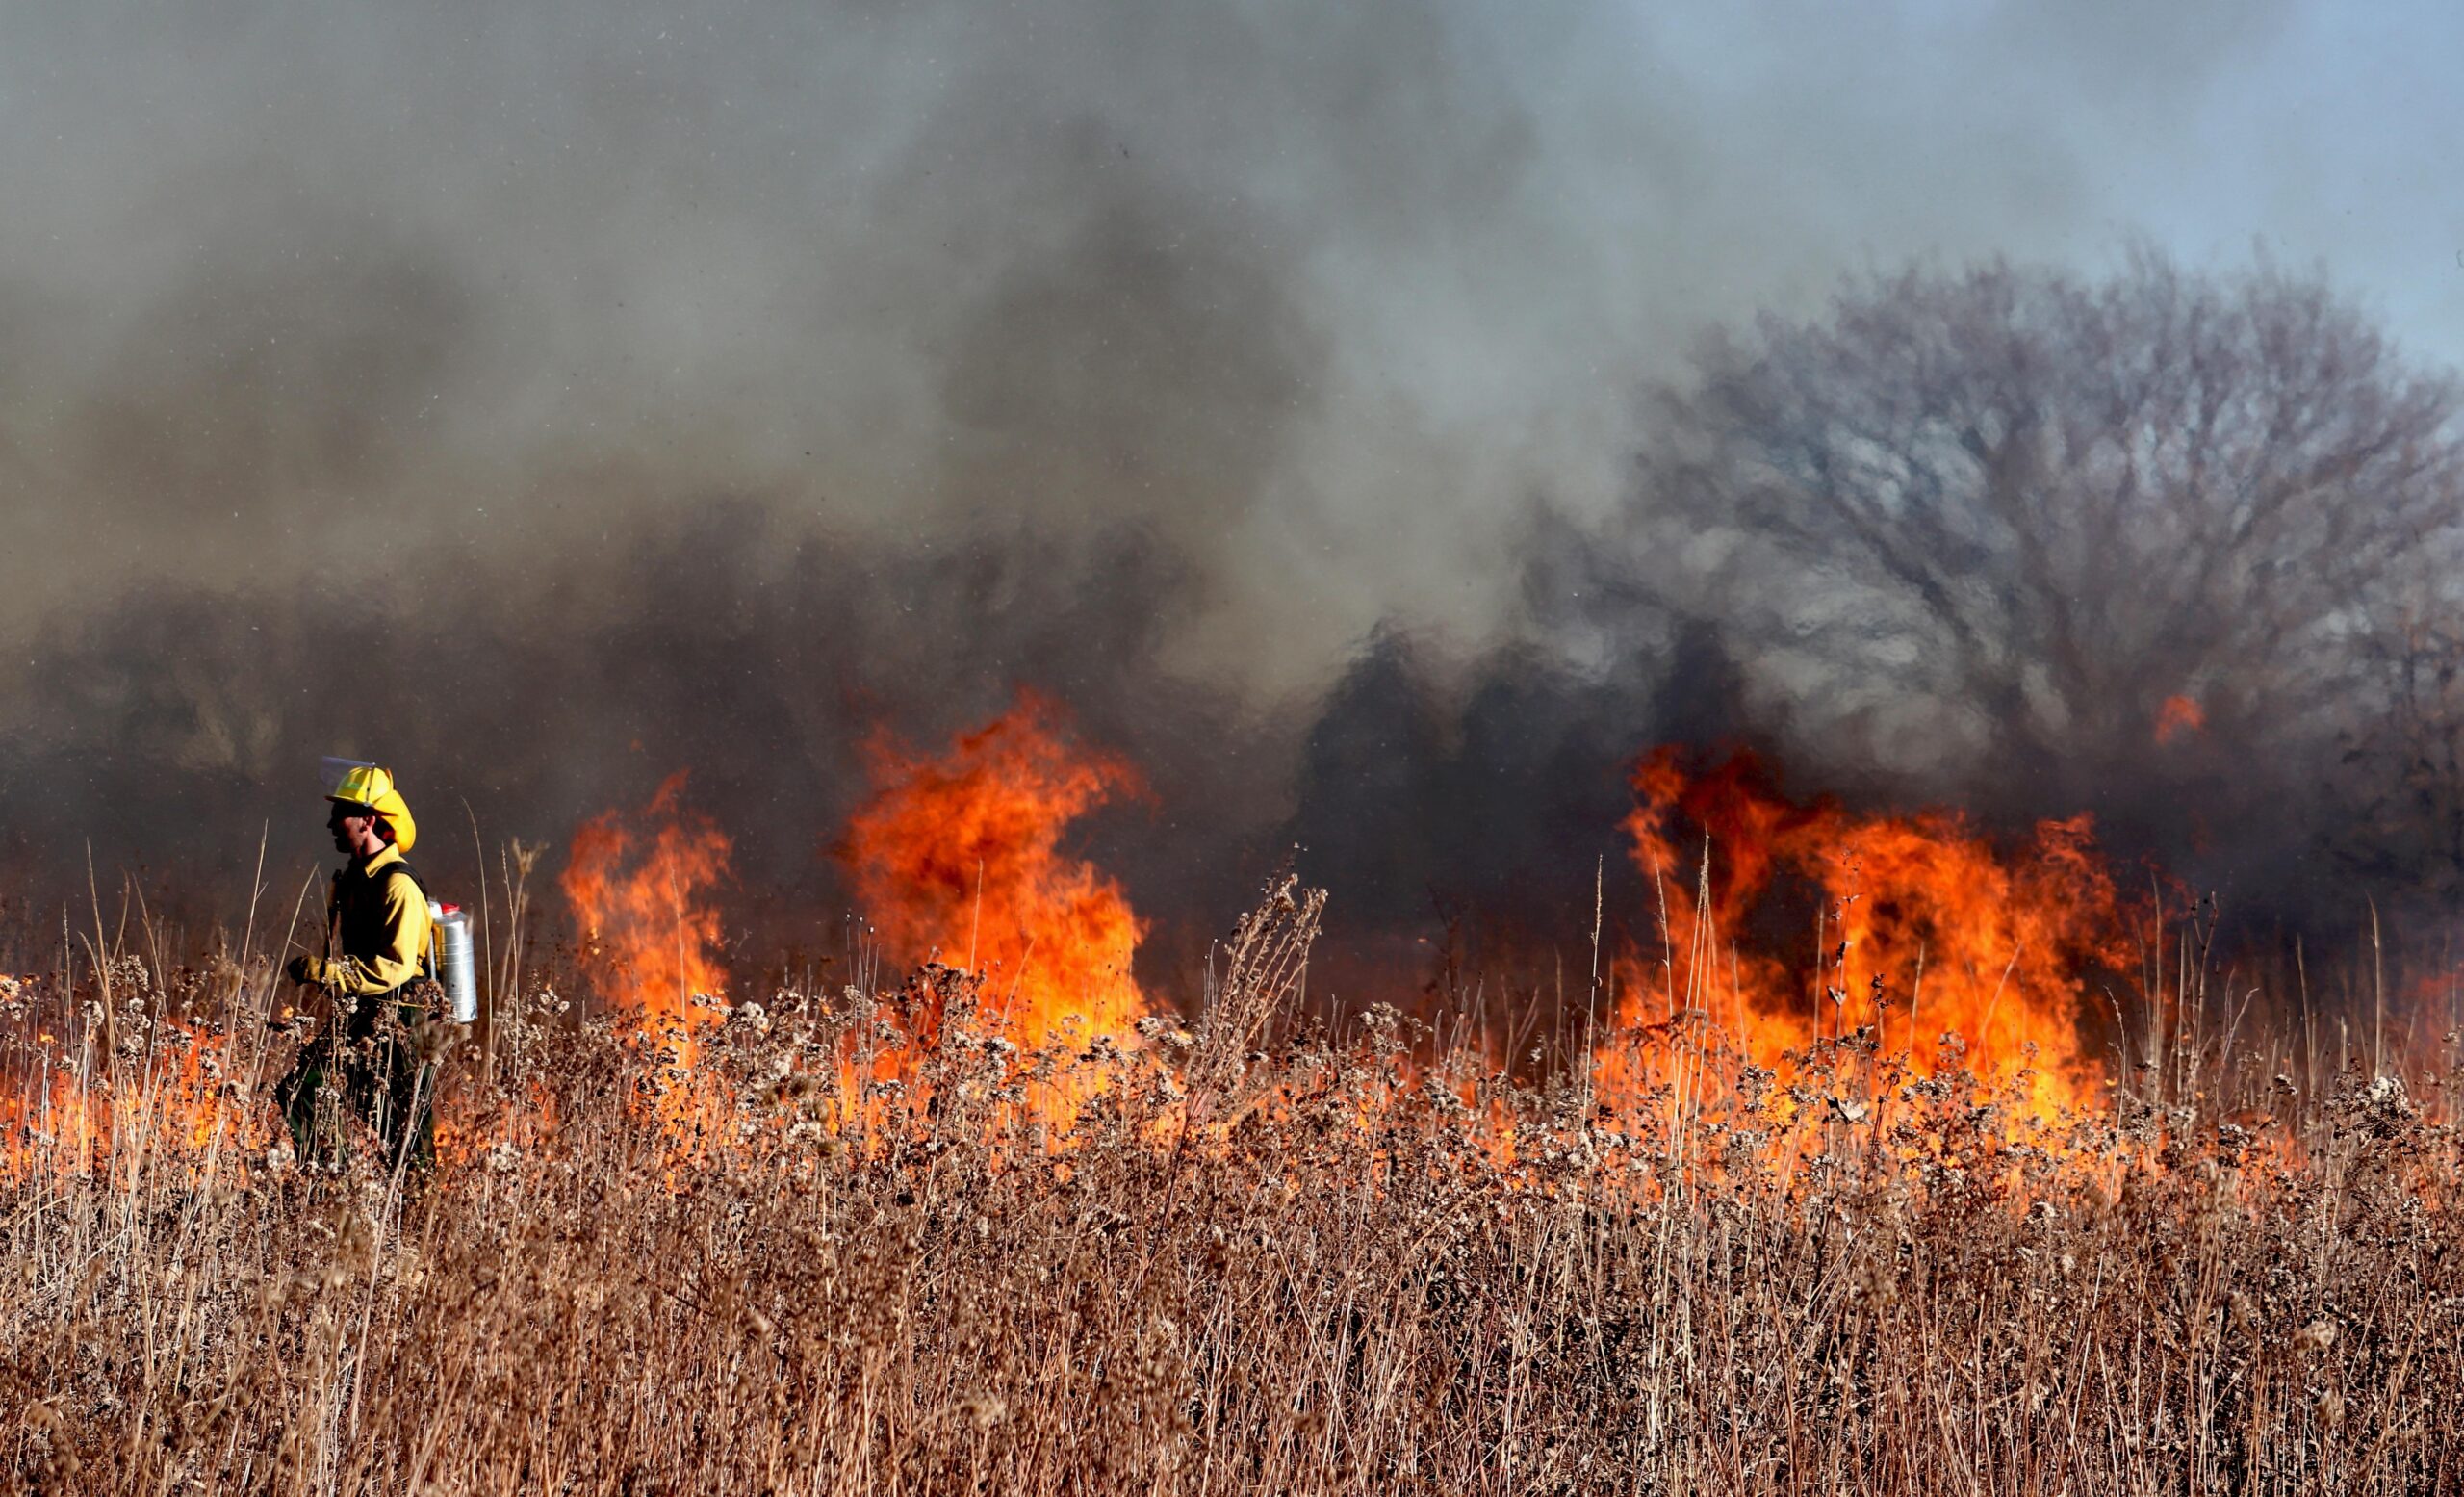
<point>753,649</point>
<point>543,403</point>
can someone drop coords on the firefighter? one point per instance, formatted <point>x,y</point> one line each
<point>371,1057</point>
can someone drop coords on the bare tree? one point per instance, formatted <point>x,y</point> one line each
<point>2399,793</point>
<point>2023,512</point>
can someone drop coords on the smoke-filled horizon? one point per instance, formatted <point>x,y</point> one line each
<point>545,402</point>
<point>1324,299</point>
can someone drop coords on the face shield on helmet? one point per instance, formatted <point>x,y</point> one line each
<point>370,788</point>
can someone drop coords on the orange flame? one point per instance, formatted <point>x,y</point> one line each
<point>643,899</point>
<point>1925,930</point>
<point>2179,716</point>
<point>173,1109</point>
<point>957,858</point>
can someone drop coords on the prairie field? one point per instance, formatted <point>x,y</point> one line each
<point>865,1241</point>
<point>1230,747</point>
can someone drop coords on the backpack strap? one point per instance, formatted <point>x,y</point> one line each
<point>402,865</point>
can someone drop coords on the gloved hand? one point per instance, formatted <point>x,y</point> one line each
<point>307,969</point>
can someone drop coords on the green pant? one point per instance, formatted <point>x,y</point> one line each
<point>378,1078</point>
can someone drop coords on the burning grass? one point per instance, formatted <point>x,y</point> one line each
<point>1255,1256</point>
<point>1883,1223</point>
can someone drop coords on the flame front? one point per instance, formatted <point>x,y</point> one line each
<point>176,1108</point>
<point>957,858</point>
<point>641,889</point>
<point>1924,931</point>
<point>642,900</point>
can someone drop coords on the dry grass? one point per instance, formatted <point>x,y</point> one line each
<point>1317,1266</point>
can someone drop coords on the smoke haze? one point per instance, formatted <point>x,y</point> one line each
<point>1319,297</point>
<point>543,398</point>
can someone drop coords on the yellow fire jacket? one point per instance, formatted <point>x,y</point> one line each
<point>376,927</point>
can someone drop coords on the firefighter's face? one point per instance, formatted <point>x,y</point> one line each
<point>353,832</point>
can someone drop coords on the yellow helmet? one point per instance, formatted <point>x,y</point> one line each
<point>372,788</point>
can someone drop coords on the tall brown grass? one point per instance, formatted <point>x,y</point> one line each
<point>1263,1257</point>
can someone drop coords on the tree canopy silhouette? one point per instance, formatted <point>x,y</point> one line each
<point>2047,520</point>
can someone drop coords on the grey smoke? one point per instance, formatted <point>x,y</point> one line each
<point>741,643</point>
<point>491,388</point>
<point>1319,294</point>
